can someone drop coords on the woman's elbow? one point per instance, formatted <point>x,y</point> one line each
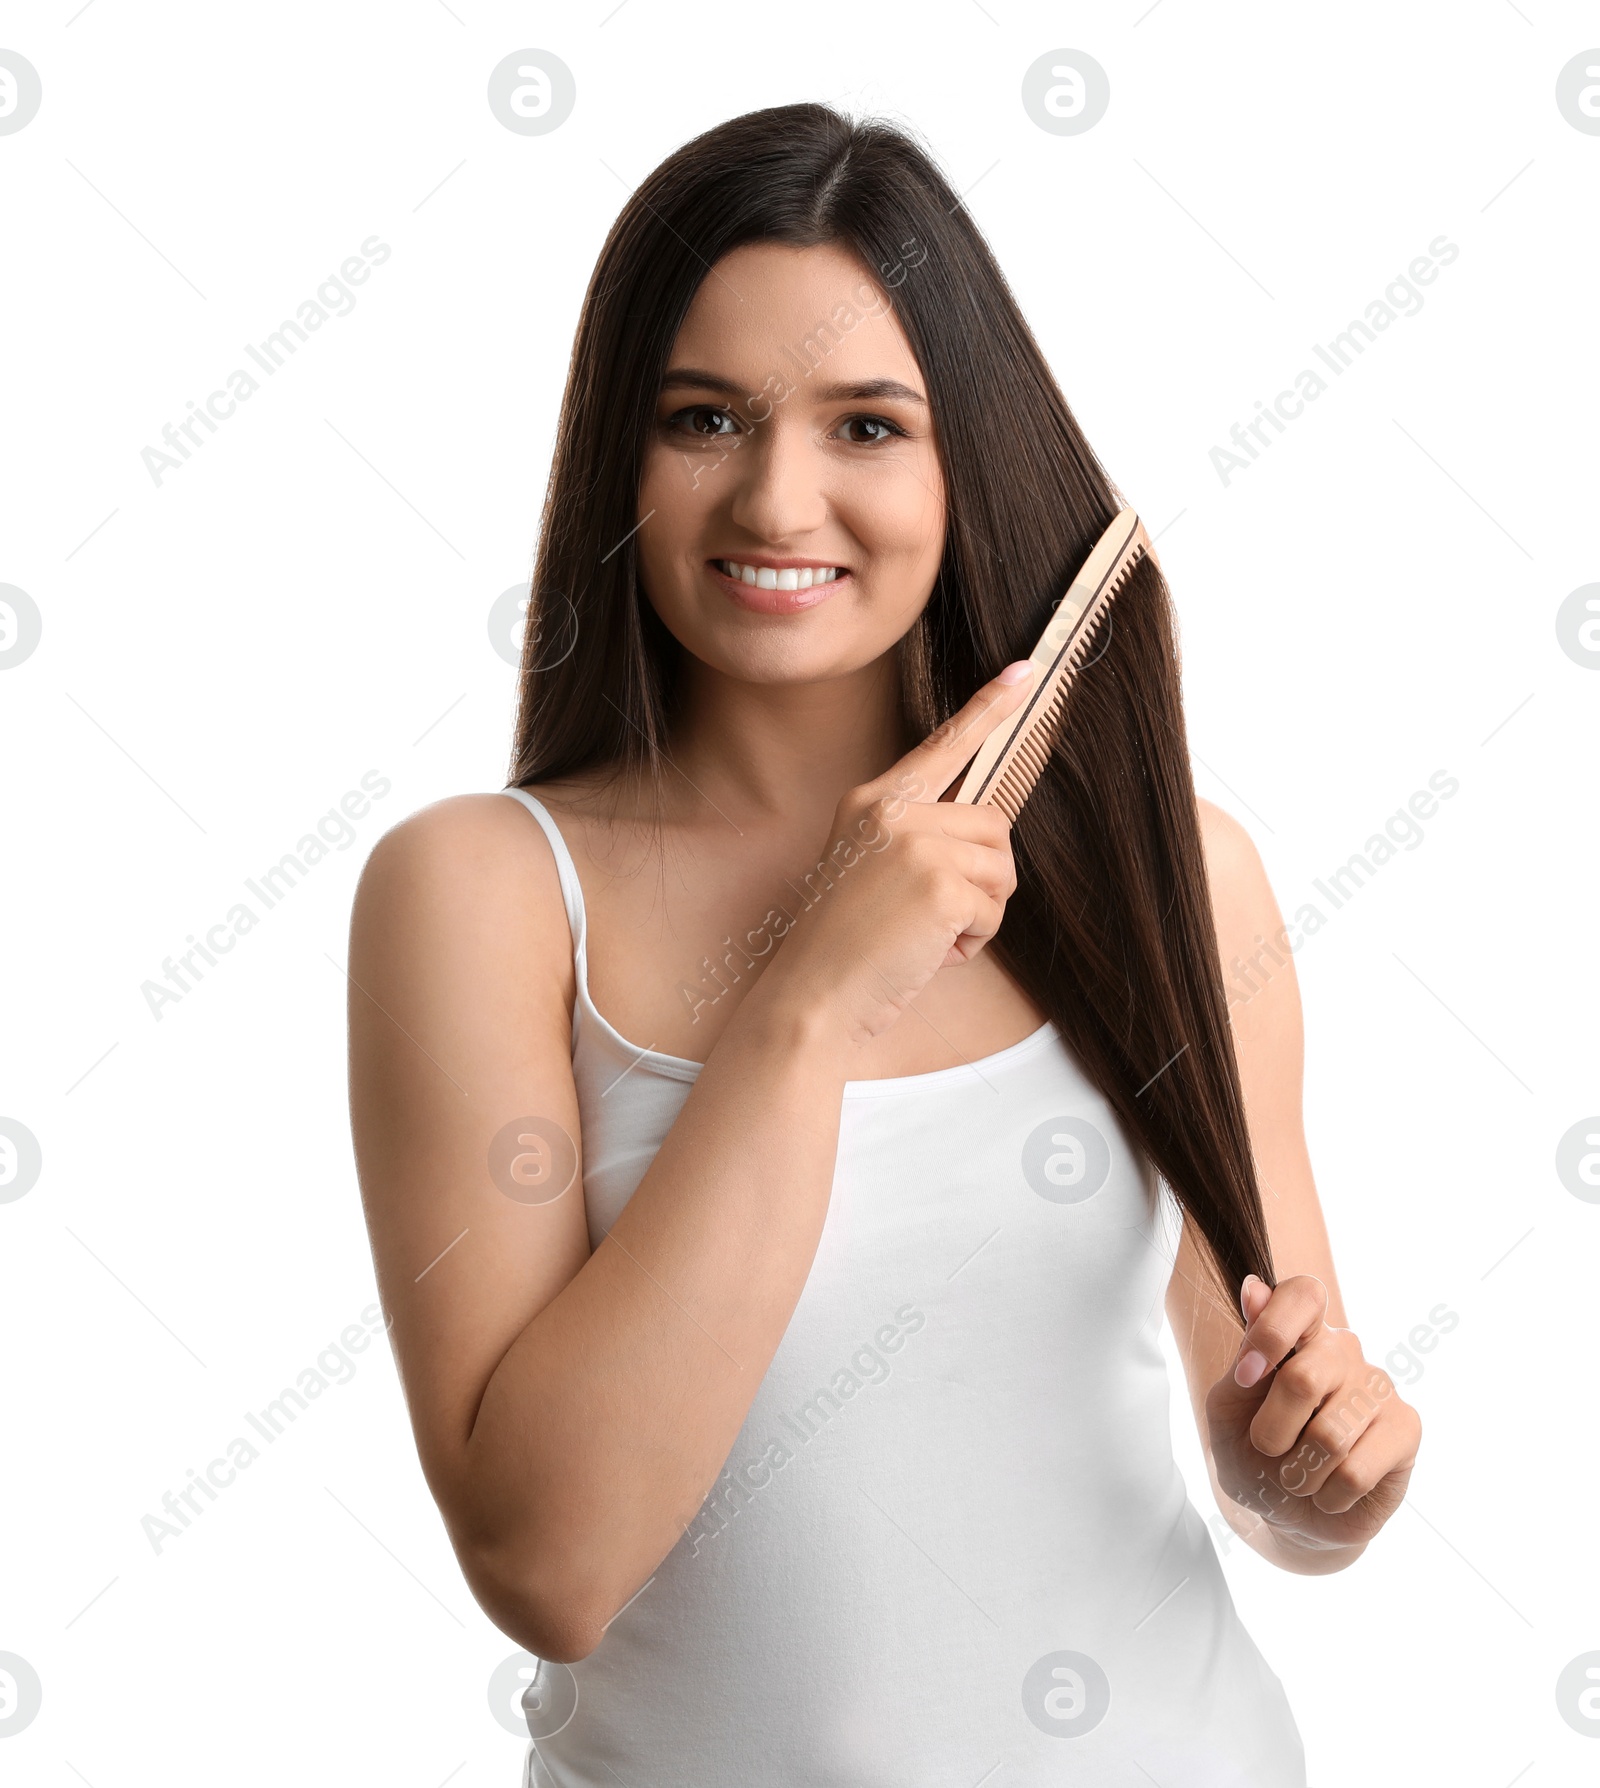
<point>546,1619</point>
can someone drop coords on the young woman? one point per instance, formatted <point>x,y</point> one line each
<point>777,1175</point>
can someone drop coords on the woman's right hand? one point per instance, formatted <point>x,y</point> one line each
<point>918,884</point>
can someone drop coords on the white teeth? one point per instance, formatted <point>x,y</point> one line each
<point>765,578</point>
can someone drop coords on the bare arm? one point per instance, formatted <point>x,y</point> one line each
<point>572,1409</point>
<point>1269,1045</point>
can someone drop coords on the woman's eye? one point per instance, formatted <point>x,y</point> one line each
<point>883,430</point>
<point>703,419</point>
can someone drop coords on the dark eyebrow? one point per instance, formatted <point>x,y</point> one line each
<point>696,378</point>
<point>868,389</point>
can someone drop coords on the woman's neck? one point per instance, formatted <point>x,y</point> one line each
<point>767,750</point>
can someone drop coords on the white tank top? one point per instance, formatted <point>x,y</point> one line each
<point>951,1543</point>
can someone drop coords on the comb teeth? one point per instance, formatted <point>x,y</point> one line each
<point>1027,763</point>
<point>1011,760</point>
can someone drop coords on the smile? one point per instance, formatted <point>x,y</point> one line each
<point>764,577</point>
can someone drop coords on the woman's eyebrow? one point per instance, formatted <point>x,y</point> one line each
<point>682,378</point>
<point>865,389</point>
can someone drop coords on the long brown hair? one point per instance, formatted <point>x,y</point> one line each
<point>1110,928</point>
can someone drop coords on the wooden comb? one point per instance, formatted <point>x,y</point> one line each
<point>1011,760</point>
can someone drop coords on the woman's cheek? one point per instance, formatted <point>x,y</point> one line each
<point>675,493</point>
<point>913,517</point>
<point>669,480</point>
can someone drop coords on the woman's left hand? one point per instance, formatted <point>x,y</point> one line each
<point>1316,1441</point>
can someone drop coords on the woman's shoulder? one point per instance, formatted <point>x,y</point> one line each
<point>1242,901</point>
<point>477,823</point>
<point>1229,848</point>
<point>477,863</point>
<point>444,829</point>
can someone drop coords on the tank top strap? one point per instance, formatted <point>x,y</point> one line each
<point>571,894</point>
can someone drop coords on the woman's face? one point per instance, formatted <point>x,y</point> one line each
<point>791,514</point>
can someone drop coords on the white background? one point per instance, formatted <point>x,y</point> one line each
<point>225,654</point>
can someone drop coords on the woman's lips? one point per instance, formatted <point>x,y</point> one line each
<point>775,602</point>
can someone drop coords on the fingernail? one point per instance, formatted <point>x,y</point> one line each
<point>1250,1368</point>
<point>1014,673</point>
<point>1243,1288</point>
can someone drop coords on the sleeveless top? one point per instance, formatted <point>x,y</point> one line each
<point>951,1542</point>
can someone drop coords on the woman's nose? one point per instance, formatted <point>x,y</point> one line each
<point>779,483</point>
